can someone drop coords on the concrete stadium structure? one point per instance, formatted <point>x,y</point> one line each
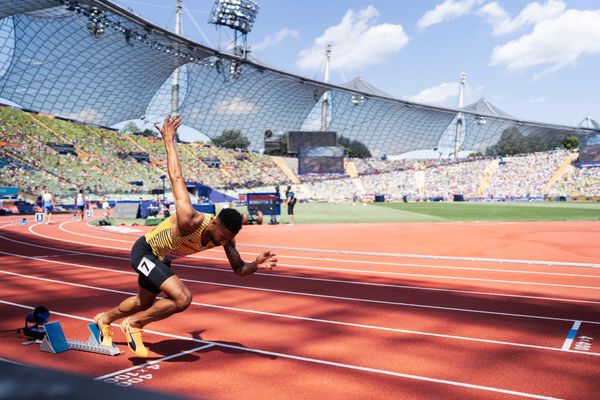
<point>94,62</point>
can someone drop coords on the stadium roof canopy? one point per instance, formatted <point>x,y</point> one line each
<point>94,62</point>
<point>483,106</point>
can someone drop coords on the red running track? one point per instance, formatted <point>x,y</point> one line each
<point>352,311</point>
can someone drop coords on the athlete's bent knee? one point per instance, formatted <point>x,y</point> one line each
<point>183,300</point>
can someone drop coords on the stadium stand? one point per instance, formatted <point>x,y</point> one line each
<point>104,165</point>
<point>524,176</point>
<point>577,182</point>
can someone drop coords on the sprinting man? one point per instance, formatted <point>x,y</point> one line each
<point>182,234</point>
<point>48,204</point>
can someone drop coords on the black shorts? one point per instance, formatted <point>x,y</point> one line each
<point>81,208</point>
<point>290,209</point>
<point>152,272</point>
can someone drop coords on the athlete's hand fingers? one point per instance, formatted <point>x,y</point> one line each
<point>177,122</point>
<point>266,260</point>
<point>272,259</point>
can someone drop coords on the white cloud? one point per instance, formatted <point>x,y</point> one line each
<point>356,43</point>
<point>494,13</point>
<point>235,106</point>
<point>532,14</point>
<point>275,39</point>
<point>555,42</point>
<point>437,95</point>
<point>445,94</point>
<point>446,11</point>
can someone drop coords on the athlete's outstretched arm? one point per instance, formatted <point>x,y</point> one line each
<point>183,204</point>
<point>266,260</point>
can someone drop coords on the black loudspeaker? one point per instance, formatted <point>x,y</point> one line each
<point>459,197</point>
<point>34,323</point>
<point>379,198</point>
<point>272,142</point>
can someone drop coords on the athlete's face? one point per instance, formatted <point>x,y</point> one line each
<point>219,235</point>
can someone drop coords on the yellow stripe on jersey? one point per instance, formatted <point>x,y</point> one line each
<point>166,245</point>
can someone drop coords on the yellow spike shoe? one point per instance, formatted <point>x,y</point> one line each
<point>134,339</point>
<point>105,331</point>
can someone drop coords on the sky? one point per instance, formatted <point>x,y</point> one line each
<point>535,60</point>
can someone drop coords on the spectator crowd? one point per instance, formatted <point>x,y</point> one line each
<point>103,163</point>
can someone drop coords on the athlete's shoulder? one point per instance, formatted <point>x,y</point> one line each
<point>198,219</point>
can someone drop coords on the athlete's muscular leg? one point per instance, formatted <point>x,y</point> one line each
<point>178,298</point>
<point>131,305</point>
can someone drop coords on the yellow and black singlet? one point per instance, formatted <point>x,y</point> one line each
<point>167,246</point>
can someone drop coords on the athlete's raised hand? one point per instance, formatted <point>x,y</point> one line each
<point>170,125</point>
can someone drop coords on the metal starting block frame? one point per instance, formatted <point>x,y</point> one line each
<point>55,342</point>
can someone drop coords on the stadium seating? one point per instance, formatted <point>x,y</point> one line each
<point>103,165</point>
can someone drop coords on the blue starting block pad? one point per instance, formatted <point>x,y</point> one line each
<point>55,341</point>
<point>39,217</point>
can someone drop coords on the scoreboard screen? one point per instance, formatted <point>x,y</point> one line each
<point>321,160</point>
<point>589,149</point>
<point>301,139</point>
<point>268,203</point>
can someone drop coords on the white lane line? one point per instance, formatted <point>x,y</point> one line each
<point>55,256</point>
<point>424,256</point>
<point>571,335</point>
<point>325,362</point>
<point>353,299</point>
<point>340,260</point>
<point>433,257</point>
<point>275,275</point>
<point>355,271</point>
<point>459,278</point>
<point>149,363</point>
<point>317,320</point>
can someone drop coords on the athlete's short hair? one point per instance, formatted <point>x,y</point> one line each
<point>231,219</point>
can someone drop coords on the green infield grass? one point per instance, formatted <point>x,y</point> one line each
<point>327,213</point>
<point>431,212</point>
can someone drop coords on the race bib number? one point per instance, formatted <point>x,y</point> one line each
<point>146,266</point>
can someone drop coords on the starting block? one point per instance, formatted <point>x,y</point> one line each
<point>55,341</point>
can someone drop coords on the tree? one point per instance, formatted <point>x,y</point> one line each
<point>150,133</point>
<point>131,127</point>
<point>354,148</point>
<point>281,145</point>
<point>512,141</point>
<point>570,142</point>
<point>231,139</point>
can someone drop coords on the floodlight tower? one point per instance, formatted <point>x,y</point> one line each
<point>238,15</point>
<point>175,87</point>
<point>325,105</point>
<point>459,117</point>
